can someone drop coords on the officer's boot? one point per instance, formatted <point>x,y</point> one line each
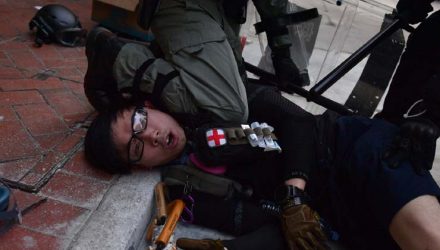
<point>206,244</point>
<point>102,48</point>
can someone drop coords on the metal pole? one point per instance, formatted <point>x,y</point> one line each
<point>354,59</point>
<point>270,79</point>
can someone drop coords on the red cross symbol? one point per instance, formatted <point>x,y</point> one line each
<point>215,137</point>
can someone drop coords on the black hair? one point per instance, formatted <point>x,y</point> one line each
<point>99,147</point>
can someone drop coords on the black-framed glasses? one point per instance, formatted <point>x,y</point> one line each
<point>135,147</point>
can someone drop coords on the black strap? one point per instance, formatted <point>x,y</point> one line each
<point>159,84</point>
<point>136,90</point>
<point>297,17</point>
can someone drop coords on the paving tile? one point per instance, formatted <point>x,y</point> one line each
<point>31,181</point>
<point>86,102</point>
<point>55,62</point>
<point>48,142</point>
<point>59,218</point>
<point>5,62</point>
<point>6,30</point>
<point>25,199</point>
<point>45,52</point>
<point>76,87</point>
<point>74,119</point>
<point>19,238</point>
<point>67,72</point>
<point>12,45</point>
<point>71,52</point>
<point>24,59</point>
<point>82,191</point>
<point>83,69</point>
<point>10,73</point>
<point>5,8</point>
<point>65,102</point>
<point>78,79</point>
<point>69,143</point>
<point>41,119</point>
<point>27,84</point>
<point>80,61</point>
<point>44,74</point>
<point>15,170</point>
<point>77,62</point>
<point>15,142</point>
<point>32,72</point>
<point>79,165</point>
<point>7,114</point>
<point>20,97</point>
<point>47,162</point>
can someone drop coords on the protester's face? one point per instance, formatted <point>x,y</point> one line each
<point>163,138</point>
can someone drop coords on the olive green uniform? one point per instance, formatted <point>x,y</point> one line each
<point>193,37</point>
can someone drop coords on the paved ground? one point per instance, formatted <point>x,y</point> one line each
<point>42,107</point>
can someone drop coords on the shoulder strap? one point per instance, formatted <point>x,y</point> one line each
<point>159,84</point>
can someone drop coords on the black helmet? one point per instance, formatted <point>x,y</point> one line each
<point>57,23</point>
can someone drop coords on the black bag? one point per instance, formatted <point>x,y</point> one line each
<point>192,178</point>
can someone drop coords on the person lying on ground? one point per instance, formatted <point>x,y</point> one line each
<point>302,149</point>
<point>294,237</point>
<point>370,204</point>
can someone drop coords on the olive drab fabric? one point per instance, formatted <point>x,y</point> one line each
<point>193,34</point>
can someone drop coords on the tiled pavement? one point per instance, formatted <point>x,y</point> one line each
<point>42,107</point>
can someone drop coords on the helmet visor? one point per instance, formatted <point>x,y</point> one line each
<point>71,37</point>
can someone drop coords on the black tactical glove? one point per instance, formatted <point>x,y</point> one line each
<point>416,143</point>
<point>413,11</point>
<point>300,223</point>
<point>286,70</point>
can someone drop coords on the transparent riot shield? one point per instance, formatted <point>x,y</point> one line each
<point>321,44</point>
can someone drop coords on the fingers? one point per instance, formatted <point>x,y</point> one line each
<point>309,242</point>
<point>304,244</point>
<point>319,234</point>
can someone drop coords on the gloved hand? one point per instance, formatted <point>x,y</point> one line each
<point>286,70</point>
<point>415,142</point>
<point>413,11</point>
<point>302,229</point>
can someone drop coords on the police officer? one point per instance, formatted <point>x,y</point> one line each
<point>412,100</point>
<point>201,57</point>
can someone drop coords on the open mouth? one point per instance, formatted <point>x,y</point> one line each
<point>169,140</point>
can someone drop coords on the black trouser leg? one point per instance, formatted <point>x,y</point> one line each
<point>267,237</point>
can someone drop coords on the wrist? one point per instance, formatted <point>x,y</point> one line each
<point>296,182</point>
<point>289,196</point>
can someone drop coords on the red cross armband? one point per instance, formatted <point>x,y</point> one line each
<point>226,144</point>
